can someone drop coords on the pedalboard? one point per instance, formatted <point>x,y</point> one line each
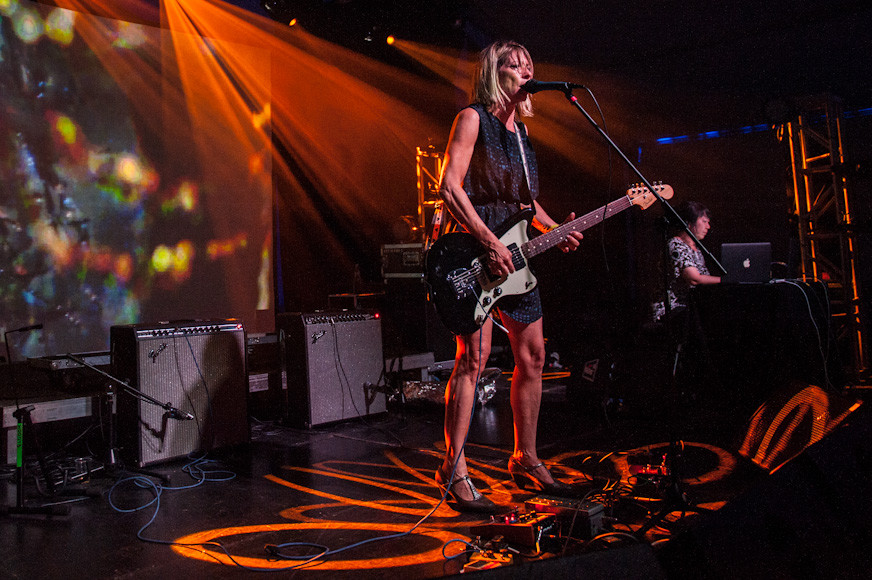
<point>587,515</point>
<point>525,529</point>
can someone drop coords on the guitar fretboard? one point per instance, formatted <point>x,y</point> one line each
<point>546,241</point>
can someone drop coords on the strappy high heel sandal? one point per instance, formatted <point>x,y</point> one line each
<point>524,478</point>
<point>478,503</point>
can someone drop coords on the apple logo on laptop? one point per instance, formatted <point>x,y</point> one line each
<point>747,263</point>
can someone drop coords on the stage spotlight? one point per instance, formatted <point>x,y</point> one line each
<point>390,39</point>
<point>406,230</point>
<point>279,10</point>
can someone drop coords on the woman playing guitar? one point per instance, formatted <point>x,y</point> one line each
<point>489,175</point>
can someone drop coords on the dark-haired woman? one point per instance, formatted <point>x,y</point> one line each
<point>687,261</point>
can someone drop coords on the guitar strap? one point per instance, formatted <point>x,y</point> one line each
<point>524,162</point>
<point>436,223</point>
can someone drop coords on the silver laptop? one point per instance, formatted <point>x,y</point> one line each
<point>746,263</point>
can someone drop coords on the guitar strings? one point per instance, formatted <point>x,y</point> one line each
<point>518,256</point>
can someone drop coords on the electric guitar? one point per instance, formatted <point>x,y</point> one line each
<point>462,286</point>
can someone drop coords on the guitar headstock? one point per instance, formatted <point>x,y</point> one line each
<point>640,194</point>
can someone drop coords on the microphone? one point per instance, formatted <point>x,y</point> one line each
<point>534,86</point>
<point>178,414</point>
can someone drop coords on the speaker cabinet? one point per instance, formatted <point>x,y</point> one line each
<point>411,324</point>
<point>334,364</point>
<point>809,519</point>
<point>198,368</point>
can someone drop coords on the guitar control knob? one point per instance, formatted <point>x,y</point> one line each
<point>498,291</point>
<point>486,301</point>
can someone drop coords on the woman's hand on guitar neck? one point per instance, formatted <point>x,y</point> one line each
<point>573,239</point>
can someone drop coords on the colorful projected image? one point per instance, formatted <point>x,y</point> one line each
<point>112,209</point>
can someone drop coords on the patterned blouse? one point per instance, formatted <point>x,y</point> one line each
<point>683,256</point>
<point>496,170</point>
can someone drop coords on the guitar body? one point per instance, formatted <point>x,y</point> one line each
<point>462,287</point>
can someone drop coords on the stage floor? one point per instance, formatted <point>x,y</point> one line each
<point>363,490</point>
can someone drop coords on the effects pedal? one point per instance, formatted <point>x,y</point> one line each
<point>493,554</point>
<point>525,529</point>
<point>588,515</point>
<point>487,560</point>
<point>646,465</point>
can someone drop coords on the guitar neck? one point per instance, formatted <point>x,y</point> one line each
<point>547,241</point>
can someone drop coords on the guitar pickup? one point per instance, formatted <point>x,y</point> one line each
<point>518,260</point>
<point>461,282</point>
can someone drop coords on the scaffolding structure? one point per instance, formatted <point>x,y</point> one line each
<point>821,208</point>
<point>428,163</point>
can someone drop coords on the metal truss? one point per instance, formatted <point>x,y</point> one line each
<point>429,163</point>
<point>821,208</point>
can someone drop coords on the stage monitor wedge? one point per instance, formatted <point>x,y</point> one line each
<point>198,367</point>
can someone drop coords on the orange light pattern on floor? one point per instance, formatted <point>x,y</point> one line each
<point>725,461</point>
<point>415,500</point>
<point>398,561</point>
<point>437,529</point>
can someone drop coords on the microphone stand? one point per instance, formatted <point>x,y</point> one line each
<point>171,412</point>
<point>673,216</point>
<point>675,498</point>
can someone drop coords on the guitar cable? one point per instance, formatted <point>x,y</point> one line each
<point>500,326</point>
<point>274,551</point>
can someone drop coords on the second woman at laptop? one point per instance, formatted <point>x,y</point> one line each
<point>687,264</point>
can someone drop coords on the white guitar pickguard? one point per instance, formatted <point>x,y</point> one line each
<point>518,282</point>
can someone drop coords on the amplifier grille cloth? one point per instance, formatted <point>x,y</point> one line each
<point>334,364</point>
<point>201,373</point>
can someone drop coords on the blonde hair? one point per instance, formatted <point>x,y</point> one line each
<point>487,89</point>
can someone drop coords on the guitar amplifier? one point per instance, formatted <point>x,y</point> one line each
<point>334,363</point>
<point>196,367</point>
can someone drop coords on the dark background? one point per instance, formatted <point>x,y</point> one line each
<point>657,69</point>
<point>704,72</point>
